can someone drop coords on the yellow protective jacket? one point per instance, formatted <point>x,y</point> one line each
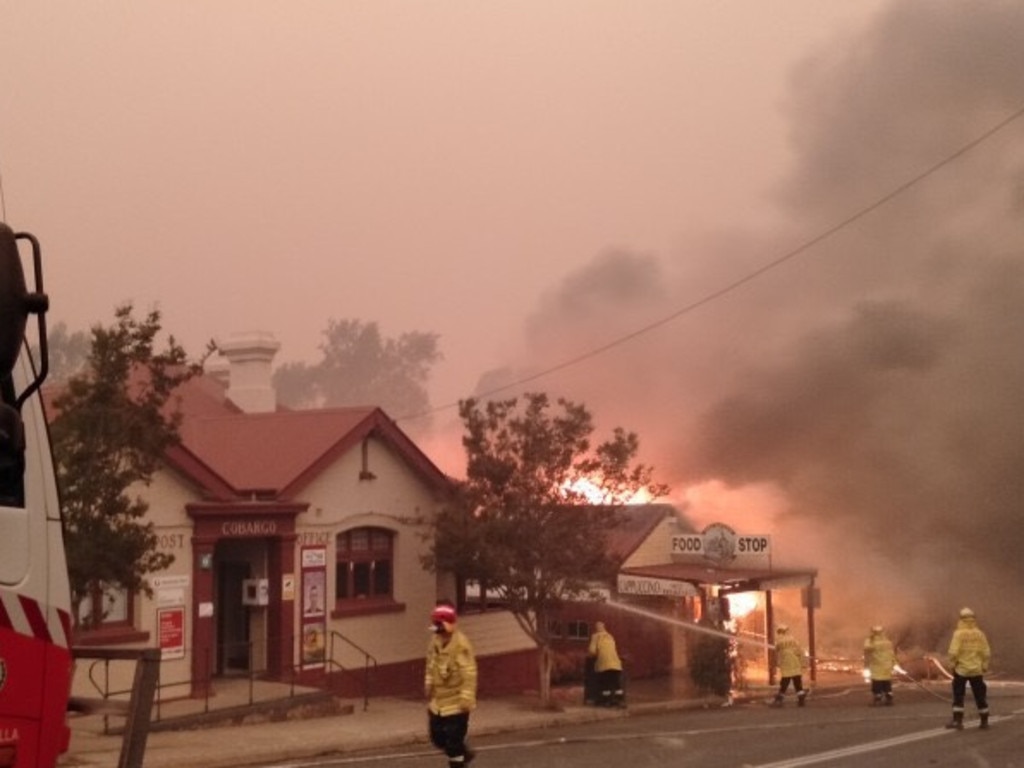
<point>968,650</point>
<point>450,678</point>
<point>789,656</point>
<point>879,656</point>
<point>602,648</point>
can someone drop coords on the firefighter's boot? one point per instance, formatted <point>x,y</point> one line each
<point>984,721</point>
<point>801,697</point>
<point>888,699</point>
<point>777,701</point>
<point>957,723</point>
<point>877,700</point>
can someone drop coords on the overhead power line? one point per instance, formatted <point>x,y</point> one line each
<point>748,277</point>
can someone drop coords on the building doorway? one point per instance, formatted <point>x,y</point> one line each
<point>233,644</point>
<point>240,644</point>
<point>241,550</point>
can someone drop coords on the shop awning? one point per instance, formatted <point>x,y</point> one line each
<point>699,575</point>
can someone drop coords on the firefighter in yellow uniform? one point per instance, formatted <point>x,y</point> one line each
<point>789,657</point>
<point>880,661</point>
<point>607,666</point>
<point>450,686</point>
<point>969,655</point>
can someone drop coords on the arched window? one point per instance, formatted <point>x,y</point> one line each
<point>365,566</point>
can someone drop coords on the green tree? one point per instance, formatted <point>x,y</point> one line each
<point>360,367</point>
<point>524,522</point>
<point>68,352</point>
<point>711,663</point>
<point>112,427</point>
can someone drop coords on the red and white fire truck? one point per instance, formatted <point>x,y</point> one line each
<point>35,620</point>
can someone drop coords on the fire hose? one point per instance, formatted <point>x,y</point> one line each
<point>903,673</point>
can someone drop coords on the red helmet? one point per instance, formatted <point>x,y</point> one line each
<point>442,618</point>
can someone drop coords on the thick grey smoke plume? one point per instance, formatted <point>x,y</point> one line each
<point>876,380</point>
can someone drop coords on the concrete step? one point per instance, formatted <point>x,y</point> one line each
<point>302,706</point>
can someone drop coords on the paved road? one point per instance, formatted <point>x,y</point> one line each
<point>839,732</point>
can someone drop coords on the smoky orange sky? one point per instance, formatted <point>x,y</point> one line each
<point>430,166</point>
<point>534,180</point>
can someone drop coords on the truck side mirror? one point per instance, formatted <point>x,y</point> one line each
<point>17,303</point>
<point>12,301</point>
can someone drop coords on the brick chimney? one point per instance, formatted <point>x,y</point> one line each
<point>249,355</point>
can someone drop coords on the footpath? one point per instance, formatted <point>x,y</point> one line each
<point>397,722</point>
<point>385,722</point>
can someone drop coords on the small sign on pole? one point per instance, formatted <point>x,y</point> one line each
<point>810,597</point>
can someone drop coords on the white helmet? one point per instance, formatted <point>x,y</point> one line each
<point>966,613</point>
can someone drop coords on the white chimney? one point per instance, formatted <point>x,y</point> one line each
<point>249,356</point>
<point>218,369</point>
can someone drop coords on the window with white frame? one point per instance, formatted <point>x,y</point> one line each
<point>105,605</point>
<point>578,630</point>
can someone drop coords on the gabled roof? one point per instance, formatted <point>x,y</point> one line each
<point>277,454</point>
<point>203,396</point>
<point>231,454</point>
<point>198,396</point>
<point>635,523</point>
<point>266,451</point>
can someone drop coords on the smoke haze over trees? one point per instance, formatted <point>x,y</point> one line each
<point>360,367</point>
<point>865,391</point>
<point>868,391</point>
<point>68,352</point>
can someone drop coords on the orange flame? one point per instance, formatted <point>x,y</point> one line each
<point>591,490</point>
<point>743,603</point>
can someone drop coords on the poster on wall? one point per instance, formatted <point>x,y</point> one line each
<point>170,624</point>
<point>313,609</point>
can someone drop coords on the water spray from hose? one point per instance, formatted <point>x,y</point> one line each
<point>690,626</point>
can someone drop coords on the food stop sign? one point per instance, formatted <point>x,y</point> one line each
<point>721,544</point>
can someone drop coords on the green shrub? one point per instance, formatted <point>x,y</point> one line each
<point>711,665</point>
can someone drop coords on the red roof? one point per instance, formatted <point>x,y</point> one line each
<point>267,452</point>
<point>279,453</point>
<point>203,396</point>
<point>232,454</point>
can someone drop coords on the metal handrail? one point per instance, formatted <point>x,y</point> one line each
<point>139,708</point>
<point>99,675</point>
<point>102,658</point>
<point>368,659</point>
<point>251,674</point>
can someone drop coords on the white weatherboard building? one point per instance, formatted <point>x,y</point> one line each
<point>297,539</point>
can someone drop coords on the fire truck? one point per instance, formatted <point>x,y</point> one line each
<point>35,618</point>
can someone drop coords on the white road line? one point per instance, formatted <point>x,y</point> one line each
<point>369,757</point>
<point>860,749</point>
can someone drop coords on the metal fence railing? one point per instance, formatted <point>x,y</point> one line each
<point>248,686</point>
